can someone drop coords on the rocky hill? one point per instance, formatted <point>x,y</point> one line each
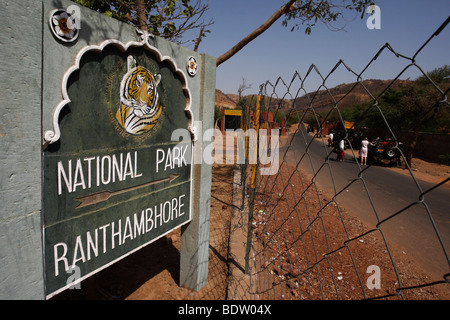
<point>345,95</point>
<point>226,100</point>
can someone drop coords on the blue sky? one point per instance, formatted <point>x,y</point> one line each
<point>405,25</point>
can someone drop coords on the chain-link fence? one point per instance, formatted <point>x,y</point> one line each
<point>344,215</point>
<point>302,219</point>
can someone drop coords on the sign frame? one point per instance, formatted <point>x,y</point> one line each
<point>52,136</point>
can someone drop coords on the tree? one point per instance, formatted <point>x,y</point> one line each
<point>437,75</point>
<point>423,105</point>
<point>301,12</point>
<point>414,106</point>
<point>243,86</point>
<point>169,19</point>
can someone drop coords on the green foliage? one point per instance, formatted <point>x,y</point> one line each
<point>292,118</point>
<point>312,11</point>
<point>437,75</point>
<point>444,159</point>
<point>165,18</point>
<point>278,116</point>
<point>416,106</point>
<point>217,113</point>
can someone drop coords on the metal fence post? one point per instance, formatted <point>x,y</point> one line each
<point>252,183</point>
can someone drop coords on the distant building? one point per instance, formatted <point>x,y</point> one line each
<point>232,119</point>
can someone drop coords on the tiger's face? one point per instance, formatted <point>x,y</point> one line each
<point>141,91</point>
<point>140,108</point>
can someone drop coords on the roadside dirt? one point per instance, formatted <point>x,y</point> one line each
<point>312,252</point>
<point>427,171</point>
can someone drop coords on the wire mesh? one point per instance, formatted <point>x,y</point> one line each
<point>328,226</point>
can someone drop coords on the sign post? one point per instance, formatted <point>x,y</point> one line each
<point>91,168</point>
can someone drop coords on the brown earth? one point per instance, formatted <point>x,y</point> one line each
<point>226,100</point>
<point>312,252</point>
<point>427,171</point>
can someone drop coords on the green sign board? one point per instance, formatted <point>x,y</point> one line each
<point>115,180</point>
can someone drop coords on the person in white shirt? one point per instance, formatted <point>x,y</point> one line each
<point>340,156</point>
<point>330,139</point>
<point>364,150</point>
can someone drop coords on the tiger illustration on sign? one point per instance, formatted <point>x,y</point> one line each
<point>140,108</point>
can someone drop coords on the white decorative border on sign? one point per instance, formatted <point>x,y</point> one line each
<point>51,136</point>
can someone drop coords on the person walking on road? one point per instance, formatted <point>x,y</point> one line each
<point>340,155</point>
<point>364,150</point>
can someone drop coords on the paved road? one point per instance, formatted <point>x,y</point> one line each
<point>376,193</point>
